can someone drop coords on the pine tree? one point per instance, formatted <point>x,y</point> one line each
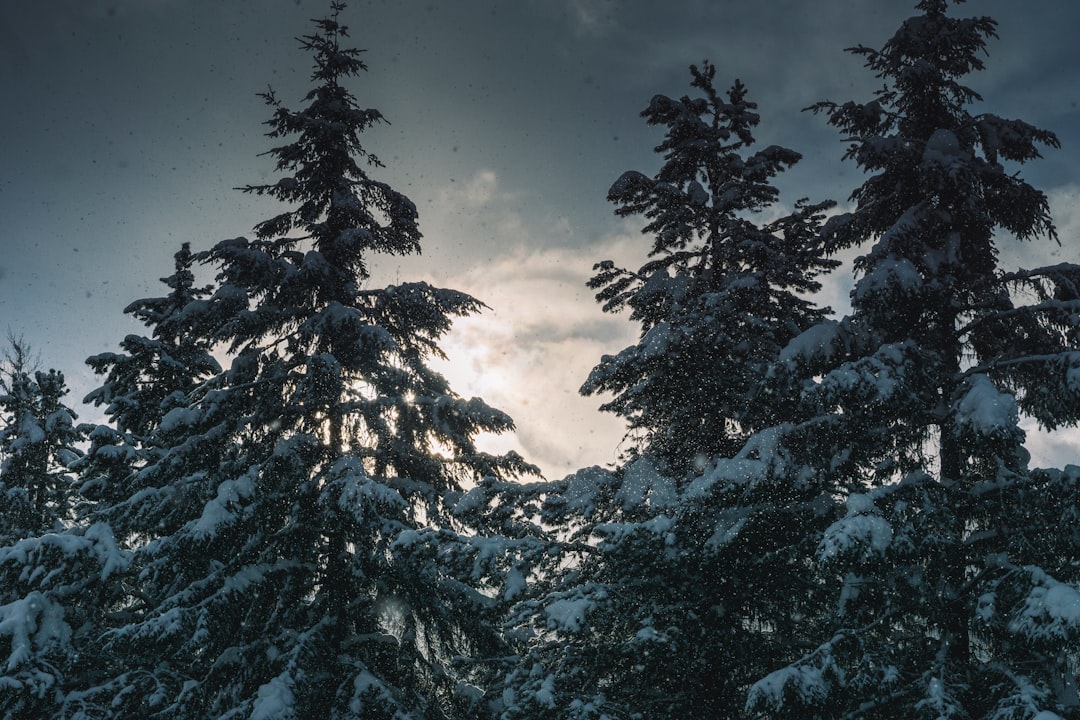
<point>296,518</point>
<point>81,588</point>
<point>153,376</point>
<point>674,587</point>
<point>49,565</point>
<point>721,295</point>
<point>955,565</point>
<point>37,443</point>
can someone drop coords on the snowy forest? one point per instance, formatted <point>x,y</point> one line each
<point>287,515</point>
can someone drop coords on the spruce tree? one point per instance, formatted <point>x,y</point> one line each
<point>674,591</point>
<point>955,566</point>
<point>294,518</point>
<point>38,441</point>
<point>90,590</point>
<point>151,377</point>
<point>50,565</point>
<point>721,294</point>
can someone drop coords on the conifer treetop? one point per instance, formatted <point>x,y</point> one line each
<point>919,133</point>
<point>720,294</point>
<point>338,205</point>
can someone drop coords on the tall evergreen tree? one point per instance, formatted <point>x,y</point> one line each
<point>298,505</point>
<point>721,295</point>
<point>955,566</point>
<point>675,588</point>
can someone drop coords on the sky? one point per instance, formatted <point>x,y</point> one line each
<point>127,124</point>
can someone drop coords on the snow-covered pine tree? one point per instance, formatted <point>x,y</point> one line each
<point>675,592</point>
<point>152,376</point>
<point>38,441</point>
<point>72,586</point>
<point>289,557</point>
<point>57,591</point>
<point>956,567</point>
<point>721,294</point>
<point>49,566</point>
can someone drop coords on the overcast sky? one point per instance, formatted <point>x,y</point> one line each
<point>127,124</point>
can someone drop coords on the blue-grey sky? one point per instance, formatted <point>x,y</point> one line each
<point>126,124</point>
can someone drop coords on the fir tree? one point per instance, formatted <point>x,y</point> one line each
<point>673,570</point>
<point>159,372</point>
<point>50,566</point>
<point>80,589</point>
<point>721,295</point>
<point>153,376</point>
<point>37,443</point>
<point>296,510</point>
<point>955,565</point>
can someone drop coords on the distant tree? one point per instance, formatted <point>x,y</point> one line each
<point>71,586</point>
<point>293,521</point>
<point>152,377</point>
<point>955,568</point>
<point>159,372</point>
<point>721,294</point>
<point>50,566</point>
<point>673,589</point>
<point>38,440</point>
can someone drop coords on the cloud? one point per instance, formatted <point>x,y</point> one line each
<point>479,191</point>
<point>1065,207</point>
<point>592,17</point>
<point>531,352</point>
